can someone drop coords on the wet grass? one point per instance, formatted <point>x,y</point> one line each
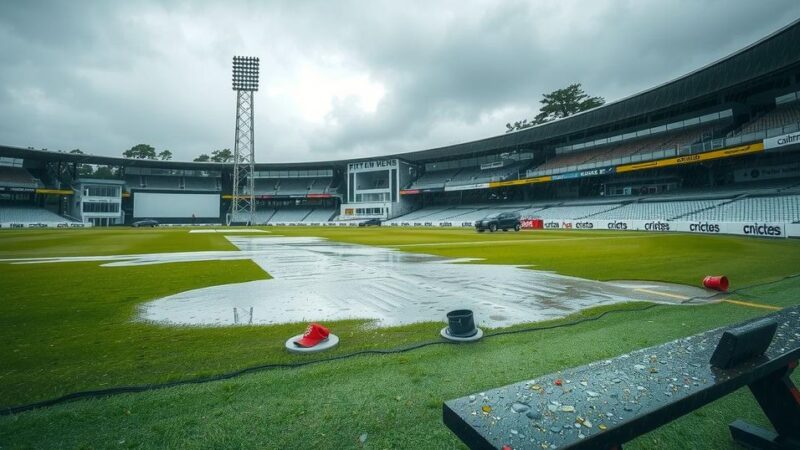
<point>68,327</point>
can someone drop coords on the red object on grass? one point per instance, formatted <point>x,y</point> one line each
<point>718,283</point>
<point>315,333</point>
<point>558,382</point>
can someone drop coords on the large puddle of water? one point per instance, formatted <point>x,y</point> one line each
<point>314,279</point>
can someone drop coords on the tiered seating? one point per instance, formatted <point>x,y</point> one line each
<point>476,175</point>
<point>320,215</point>
<point>425,214</point>
<point>293,186</point>
<point>320,185</point>
<point>572,212</point>
<point>434,179</point>
<point>17,177</point>
<point>265,186</point>
<point>656,210</point>
<point>628,148</point>
<point>784,208</point>
<point>290,214</point>
<point>572,159</point>
<point>262,215</point>
<point>27,214</point>
<point>778,117</point>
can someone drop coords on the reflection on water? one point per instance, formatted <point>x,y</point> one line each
<point>315,279</point>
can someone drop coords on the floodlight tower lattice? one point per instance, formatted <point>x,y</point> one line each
<point>245,83</point>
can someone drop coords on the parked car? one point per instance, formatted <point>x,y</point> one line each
<point>500,221</point>
<point>370,222</point>
<point>145,223</point>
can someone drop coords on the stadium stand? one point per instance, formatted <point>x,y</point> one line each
<point>434,179</point>
<point>569,211</point>
<point>320,215</point>
<point>290,214</point>
<point>17,177</point>
<point>656,210</point>
<point>320,185</point>
<point>263,215</point>
<point>15,213</point>
<point>782,208</point>
<point>776,118</point>
<point>610,154</point>
<point>292,186</point>
<point>477,175</point>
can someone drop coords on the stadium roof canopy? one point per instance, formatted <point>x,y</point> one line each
<point>773,54</point>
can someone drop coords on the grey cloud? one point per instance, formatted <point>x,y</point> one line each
<point>104,76</point>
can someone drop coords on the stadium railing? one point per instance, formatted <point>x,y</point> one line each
<point>607,403</point>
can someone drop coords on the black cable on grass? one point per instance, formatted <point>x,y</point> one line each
<point>4,411</point>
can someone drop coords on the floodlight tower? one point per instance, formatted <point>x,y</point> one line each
<point>245,82</point>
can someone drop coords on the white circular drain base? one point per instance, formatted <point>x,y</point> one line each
<point>332,341</point>
<point>472,338</point>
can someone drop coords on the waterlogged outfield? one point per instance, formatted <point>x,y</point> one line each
<point>68,327</point>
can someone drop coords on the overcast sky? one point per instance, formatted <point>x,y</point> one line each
<point>339,79</point>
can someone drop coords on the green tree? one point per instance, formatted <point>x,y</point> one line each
<point>559,104</point>
<point>84,170</point>
<point>141,151</point>
<point>222,156</point>
<point>165,155</point>
<point>104,172</point>
<point>202,158</point>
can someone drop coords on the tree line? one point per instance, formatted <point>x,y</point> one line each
<point>145,151</point>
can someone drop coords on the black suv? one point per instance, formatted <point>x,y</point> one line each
<point>370,222</point>
<point>145,223</point>
<point>501,221</point>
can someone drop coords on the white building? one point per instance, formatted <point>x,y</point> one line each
<point>373,189</point>
<point>98,202</point>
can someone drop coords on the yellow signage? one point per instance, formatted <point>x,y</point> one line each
<point>54,191</point>
<point>688,159</point>
<point>494,184</point>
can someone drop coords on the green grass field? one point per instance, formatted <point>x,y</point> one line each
<point>72,326</point>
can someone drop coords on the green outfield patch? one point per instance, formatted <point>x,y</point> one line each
<point>72,326</point>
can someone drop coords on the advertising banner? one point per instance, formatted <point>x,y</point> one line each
<point>756,173</point>
<point>756,229</point>
<point>584,173</point>
<point>782,141</point>
<point>466,187</point>
<point>716,154</point>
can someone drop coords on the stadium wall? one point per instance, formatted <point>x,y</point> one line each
<point>752,229</point>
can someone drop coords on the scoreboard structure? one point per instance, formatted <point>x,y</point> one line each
<point>373,189</point>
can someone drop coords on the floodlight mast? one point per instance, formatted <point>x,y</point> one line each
<point>245,82</point>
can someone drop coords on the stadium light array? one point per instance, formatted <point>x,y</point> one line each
<point>245,73</point>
